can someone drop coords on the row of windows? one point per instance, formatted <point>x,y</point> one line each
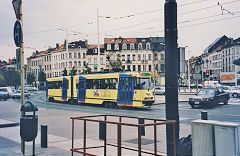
<point>55,85</point>
<point>140,57</point>
<point>129,46</point>
<point>95,61</point>
<point>70,55</point>
<point>101,83</point>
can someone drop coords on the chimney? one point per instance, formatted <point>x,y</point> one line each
<point>86,43</point>
<point>65,44</point>
<point>57,45</point>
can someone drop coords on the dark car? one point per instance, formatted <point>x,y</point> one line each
<point>4,94</point>
<point>209,97</point>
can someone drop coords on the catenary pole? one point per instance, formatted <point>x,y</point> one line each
<point>171,80</point>
<point>22,74</point>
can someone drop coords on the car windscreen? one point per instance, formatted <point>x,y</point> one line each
<point>143,83</point>
<point>207,92</point>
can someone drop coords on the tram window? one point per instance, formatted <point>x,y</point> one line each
<point>96,84</point>
<point>89,84</point>
<point>113,83</point>
<point>127,83</point>
<point>55,85</point>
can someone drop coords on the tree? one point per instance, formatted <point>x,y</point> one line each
<point>30,78</point>
<point>41,76</point>
<point>12,78</point>
<point>65,72</point>
<point>87,70</point>
<point>2,81</point>
<point>73,71</point>
<point>116,64</point>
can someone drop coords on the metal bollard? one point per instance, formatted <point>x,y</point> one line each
<point>44,136</point>
<point>204,115</point>
<point>141,121</point>
<point>102,129</point>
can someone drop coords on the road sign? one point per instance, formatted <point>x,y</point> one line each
<point>16,6</point>
<point>18,33</point>
<point>18,58</point>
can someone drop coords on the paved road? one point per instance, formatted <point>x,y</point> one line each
<point>57,116</point>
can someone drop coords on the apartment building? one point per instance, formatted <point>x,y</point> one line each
<point>92,57</point>
<point>136,54</point>
<point>67,58</point>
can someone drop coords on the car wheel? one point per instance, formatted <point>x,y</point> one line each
<point>5,99</point>
<point>235,95</point>
<point>225,102</point>
<point>193,106</point>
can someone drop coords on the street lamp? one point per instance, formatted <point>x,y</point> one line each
<point>98,36</point>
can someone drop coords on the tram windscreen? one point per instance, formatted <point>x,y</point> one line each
<point>143,83</point>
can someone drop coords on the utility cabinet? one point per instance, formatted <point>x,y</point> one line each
<point>227,138</point>
<point>203,138</point>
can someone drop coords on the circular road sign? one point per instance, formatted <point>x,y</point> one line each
<point>18,33</point>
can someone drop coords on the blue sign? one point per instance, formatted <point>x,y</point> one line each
<point>18,33</point>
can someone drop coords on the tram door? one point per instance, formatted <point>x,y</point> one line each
<point>81,89</point>
<point>125,90</point>
<point>64,88</point>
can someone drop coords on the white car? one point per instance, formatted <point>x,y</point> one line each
<point>17,94</point>
<point>234,91</point>
<point>159,90</point>
<point>8,89</point>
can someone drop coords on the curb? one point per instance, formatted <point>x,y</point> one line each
<point>164,103</point>
<point>9,125</point>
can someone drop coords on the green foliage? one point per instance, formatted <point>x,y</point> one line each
<point>65,72</point>
<point>116,64</point>
<point>87,70</point>
<point>11,78</point>
<point>30,78</point>
<point>2,81</point>
<point>41,76</point>
<point>73,71</point>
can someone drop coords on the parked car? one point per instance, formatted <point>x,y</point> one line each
<point>17,94</point>
<point>31,89</point>
<point>159,90</point>
<point>234,91</point>
<point>8,89</point>
<point>209,97</point>
<point>4,93</point>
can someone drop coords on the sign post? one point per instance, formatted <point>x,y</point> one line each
<point>18,38</point>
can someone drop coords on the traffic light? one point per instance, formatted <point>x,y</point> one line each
<point>211,72</point>
<point>207,73</point>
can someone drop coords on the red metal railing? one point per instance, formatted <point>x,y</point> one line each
<point>155,123</point>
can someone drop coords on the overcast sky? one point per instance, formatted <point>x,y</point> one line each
<point>200,22</point>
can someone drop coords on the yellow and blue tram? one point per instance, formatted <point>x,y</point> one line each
<point>131,89</point>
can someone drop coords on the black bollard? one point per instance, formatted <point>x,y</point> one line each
<point>102,130</point>
<point>141,121</point>
<point>204,115</point>
<point>44,136</point>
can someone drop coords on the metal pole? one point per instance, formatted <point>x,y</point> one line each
<point>171,62</point>
<point>154,85</point>
<point>98,40</point>
<point>189,83</point>
<point>22,75</point>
